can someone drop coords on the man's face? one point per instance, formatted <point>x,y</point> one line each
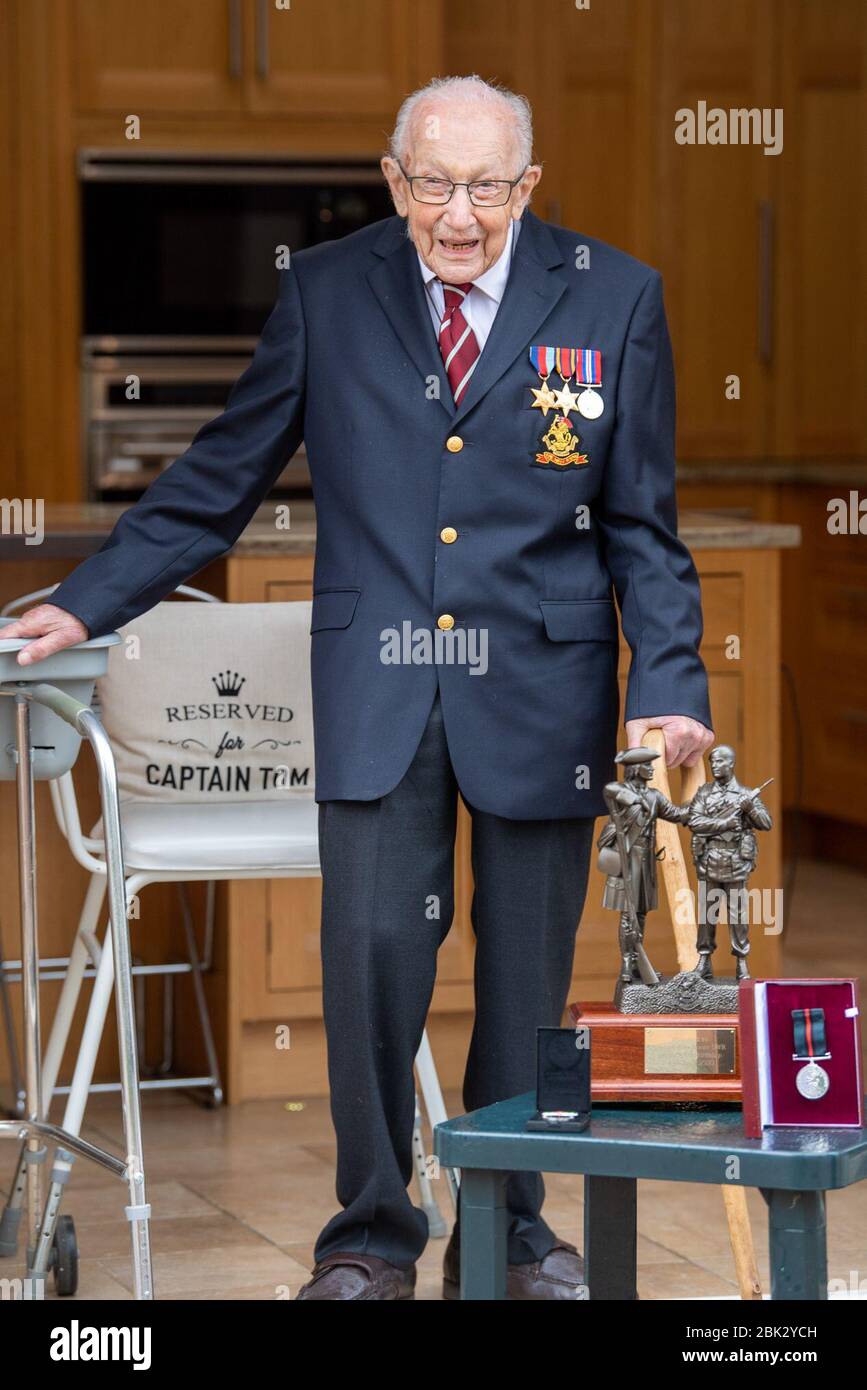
<point>458,240</point>
<point>721,766</point>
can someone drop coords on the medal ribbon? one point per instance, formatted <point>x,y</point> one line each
<point>542,359</point>
<point>588,367</point>
<point>809,1025</point>
<point>565,362</point>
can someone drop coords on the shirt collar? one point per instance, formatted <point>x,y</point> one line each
<point>493,281</point>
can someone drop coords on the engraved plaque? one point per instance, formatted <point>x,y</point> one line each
<point>689,1051</point>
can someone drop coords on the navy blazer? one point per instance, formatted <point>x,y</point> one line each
<point>348,361</point>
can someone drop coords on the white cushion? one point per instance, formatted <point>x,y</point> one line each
<point>228,835</point>
<point>211,702</point>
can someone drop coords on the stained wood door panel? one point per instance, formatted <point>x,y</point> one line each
<point>159,55</point>
<point>342,56</point>
<point>294,908</point>
<point>706,224</point>
<point>822,253</point>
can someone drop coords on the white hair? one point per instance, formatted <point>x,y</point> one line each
<point>473,88</point>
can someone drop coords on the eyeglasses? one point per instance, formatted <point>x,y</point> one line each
<point>482,193</point>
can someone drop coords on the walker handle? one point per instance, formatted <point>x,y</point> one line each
<point>64,705</point>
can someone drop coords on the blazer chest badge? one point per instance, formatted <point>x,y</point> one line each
<point>585,365</point>
<point>561,445</point>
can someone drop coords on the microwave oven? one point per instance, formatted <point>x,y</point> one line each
<point>183,247</point>
<point>179,276</point>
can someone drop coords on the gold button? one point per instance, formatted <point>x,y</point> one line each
<point>454,444</point>
<point>448,534</point>
<point>445,622</point>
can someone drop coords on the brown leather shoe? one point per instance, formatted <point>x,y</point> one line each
<point>348,1275</point>
<point>560,1274</point>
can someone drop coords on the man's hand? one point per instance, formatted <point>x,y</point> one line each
<point>54,627</point>
<point>685,739</point>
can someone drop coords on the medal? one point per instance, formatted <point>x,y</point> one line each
<point>564,359</point>
<point>542,359</point>
<point>812,1081</point>
<point>588,373</point>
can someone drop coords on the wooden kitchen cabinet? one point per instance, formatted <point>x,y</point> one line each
<point>820,347</point>
<point>712,224</point>
<point>825,649</point>
<point>157,55</point>
<point>354,56</point>
<point>235,57</point>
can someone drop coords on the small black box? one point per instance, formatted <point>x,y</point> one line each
<point>562,1080</point>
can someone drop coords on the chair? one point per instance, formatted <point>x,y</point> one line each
<point>172,841</point>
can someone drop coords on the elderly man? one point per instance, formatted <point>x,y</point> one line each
<point>487,404</point>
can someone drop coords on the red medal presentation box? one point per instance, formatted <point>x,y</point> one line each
<point>772,1058</point>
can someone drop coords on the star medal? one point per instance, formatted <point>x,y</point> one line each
<point>812,1081</point>
<point>588,373</point>
<point>564,360</point>
<point>542,359</point>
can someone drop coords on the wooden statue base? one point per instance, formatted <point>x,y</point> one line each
<point>661,1057</point>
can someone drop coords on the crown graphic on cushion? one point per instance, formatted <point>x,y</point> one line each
<point>228,682</point>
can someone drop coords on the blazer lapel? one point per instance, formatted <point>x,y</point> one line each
<point>396,281</point>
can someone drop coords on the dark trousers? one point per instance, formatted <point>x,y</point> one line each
<point>734,893</point>
<point>388,903</point>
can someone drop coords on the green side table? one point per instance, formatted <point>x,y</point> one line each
<point>792,1168</point>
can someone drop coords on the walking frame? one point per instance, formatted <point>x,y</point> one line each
<point>33,1128</point>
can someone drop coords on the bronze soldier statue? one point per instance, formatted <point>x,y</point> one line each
<point>629,838</point>
<point>722,817</point>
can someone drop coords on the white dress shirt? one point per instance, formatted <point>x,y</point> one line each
<point>481,304</point>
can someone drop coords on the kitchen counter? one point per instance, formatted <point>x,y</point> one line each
<point>75,530</point>
<point>836,473</point>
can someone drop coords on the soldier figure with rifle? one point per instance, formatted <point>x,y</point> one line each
<point>723,816</point>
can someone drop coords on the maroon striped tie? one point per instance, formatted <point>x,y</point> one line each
<point>458,345</point>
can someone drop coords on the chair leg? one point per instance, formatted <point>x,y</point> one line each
<point>201,1002</point>
<point>434,1104</point>
<point>436,1224</point>
<point>168,1058</point>
<point>83,948</point>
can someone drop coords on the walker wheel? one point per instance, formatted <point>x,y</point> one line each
<point>65,1257</point>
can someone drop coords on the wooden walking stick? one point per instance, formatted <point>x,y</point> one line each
<point>682,908</point>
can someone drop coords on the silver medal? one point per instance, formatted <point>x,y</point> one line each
<point>590,404</point>
<point>812,1081</point>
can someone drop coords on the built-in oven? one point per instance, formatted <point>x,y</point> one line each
<point>181,258</point>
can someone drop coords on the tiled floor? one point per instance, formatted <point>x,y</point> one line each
<point>239,1194</point>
